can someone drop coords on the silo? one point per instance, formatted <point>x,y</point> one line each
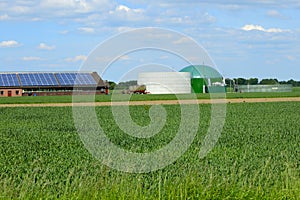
<point>166,82</point>
<point>205,79</point>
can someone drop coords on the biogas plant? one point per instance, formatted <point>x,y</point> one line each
<point>191,79</point>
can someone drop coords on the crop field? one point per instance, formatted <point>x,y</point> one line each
<point>148,97</point>
<point>256,157</point>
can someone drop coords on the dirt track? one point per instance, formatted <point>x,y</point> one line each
<point>160,102</point>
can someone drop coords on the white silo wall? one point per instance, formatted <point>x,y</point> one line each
<point>166,82</point>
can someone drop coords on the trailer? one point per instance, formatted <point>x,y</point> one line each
<point>136,89</point>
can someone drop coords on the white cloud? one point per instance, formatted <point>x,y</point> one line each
<point>76,5</point>
<point>174,20</point>
<point>127,9</point>
<point>291,58</point>
<point>124,57</point>
<point>31,58</point>
<point>273,13</point>
<point>76,58</point>
<point>9,43</point>
<point>244,3</point>
<point>87,29</point>
<point>122,7</point>
<point>208,18</point>
<point>73,7</point>
<point>45,46</point>
<point>123,28</point>
<point>49,9</point>
<point>164,57</point>
<point>64,32</point>
<point>59,3</point>
<point>251,27</point>
<point>4,17</point>
<point>123,12</point>
<point>180,17</point>
<point>19,9</point>
<point>36,19</point>
<point>276,14</point>
<point>182,40</point>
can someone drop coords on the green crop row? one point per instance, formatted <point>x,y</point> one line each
<point>138,97</point>
<point>256,157</point>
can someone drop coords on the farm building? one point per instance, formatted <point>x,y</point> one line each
<point>205,79</point>
<point>193,78</point>
<point>166,82</point>
<point>50,83</point>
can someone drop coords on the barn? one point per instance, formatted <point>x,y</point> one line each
<point>50,83</point>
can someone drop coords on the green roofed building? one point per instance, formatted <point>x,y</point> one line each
<point>205,79</point>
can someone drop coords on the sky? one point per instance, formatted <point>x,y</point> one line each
<point>250,38</point>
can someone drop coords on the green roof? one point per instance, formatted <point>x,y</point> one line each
<point>202,71</point>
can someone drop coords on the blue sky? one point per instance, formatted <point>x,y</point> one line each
<point>250,38</point>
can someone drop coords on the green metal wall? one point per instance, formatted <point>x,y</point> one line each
<point>202,75</point>
<point>197,85</point>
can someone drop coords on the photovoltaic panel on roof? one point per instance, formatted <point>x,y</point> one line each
<point>9,80</point>
<point>75,79</point>
<point>38,79</point>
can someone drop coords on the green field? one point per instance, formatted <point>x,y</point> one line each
<point>256,157</point>
<point>148,97</point>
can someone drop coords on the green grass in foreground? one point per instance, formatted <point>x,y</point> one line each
<point>256,157</point>
<point>148,97</point>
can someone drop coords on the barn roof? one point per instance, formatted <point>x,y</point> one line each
<point>50,79</point>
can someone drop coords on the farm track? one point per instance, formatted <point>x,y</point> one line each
<point>159,102</point>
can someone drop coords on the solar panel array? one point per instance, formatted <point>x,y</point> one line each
<point>38,79</point>
<point>75,79</point>
<point>9,80</point>
<point>47,79</point>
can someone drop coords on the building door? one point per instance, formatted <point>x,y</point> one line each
<point>9,93</point>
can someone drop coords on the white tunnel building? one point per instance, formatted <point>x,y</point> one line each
<point>166,82</point>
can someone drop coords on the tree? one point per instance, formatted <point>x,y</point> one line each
<point>283,82</point>
<point>125,85</point>
<point>229,81</point>
<point>294,83</point>
<point>112,85</point>
<point>268,82</point>
<point>240,81</point>
<point>253,81</point>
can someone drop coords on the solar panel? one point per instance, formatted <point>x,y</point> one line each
<point>9,80</point>
<point>75,79</point>
<point>38,79</point>
<point>47,79</point>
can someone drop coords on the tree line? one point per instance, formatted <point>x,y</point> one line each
<point>228,81</point>
<point>121,85</point>
<point>255,81</point>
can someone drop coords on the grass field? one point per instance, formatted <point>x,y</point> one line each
<point>148,97</point>
<point>256,157</point>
